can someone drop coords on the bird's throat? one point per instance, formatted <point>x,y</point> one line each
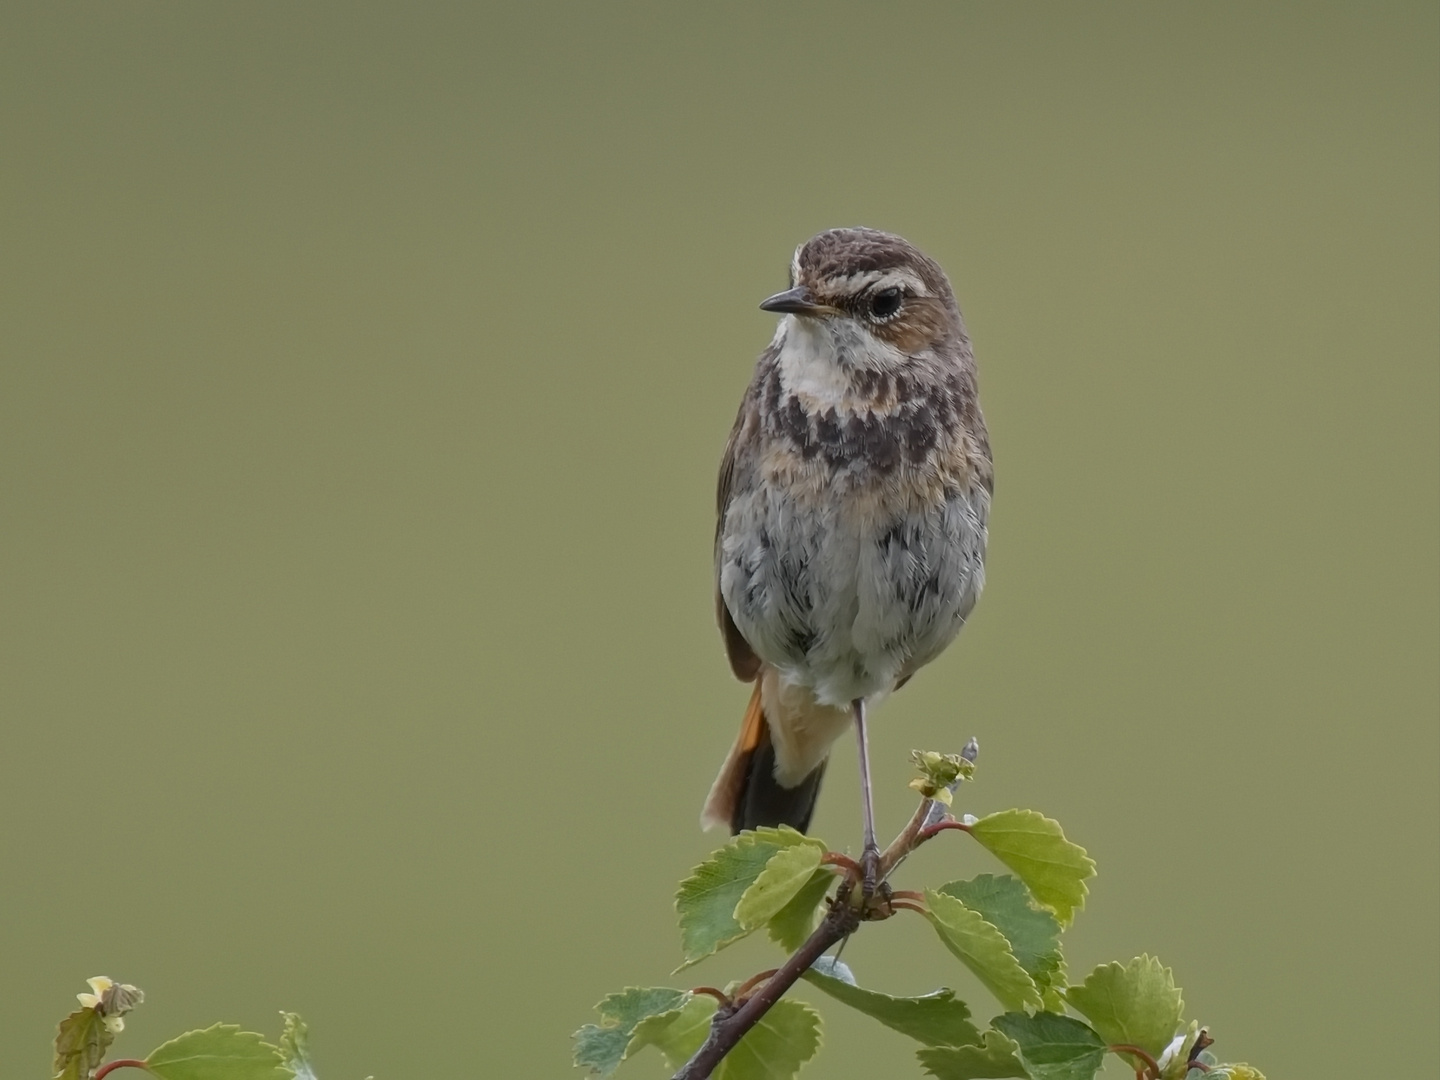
<point>831,364</point>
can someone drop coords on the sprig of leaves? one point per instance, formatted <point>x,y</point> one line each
<point>219,1052</point>
<point>1005,928</point>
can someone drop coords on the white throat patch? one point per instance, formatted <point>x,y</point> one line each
<point>810,354</point>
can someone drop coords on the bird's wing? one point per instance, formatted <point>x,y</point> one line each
<point>743,660</point>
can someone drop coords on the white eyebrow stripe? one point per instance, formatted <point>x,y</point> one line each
<point>862,278</point>
<point>887,279</point>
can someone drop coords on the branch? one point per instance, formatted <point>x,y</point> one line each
<point>734,1018</point>
<point>728,1028</point>
<point>909,839</point>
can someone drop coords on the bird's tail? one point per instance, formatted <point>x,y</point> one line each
<point>772,774</point>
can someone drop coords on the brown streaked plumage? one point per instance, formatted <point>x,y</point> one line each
<point>852,506</point>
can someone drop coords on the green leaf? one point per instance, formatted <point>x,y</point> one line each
<point>295,1046</point>
<point>708,898</point>
<point>788,871</point>
<point>1136,1003</point>
<point>80,1045</point>
<point>1054,1047</point>
<point>600,1048</point>
<point>635,1003</point>
<point>983,949</point>
<point>935,1019</point>
<point>1034,935</point>
<point>792,924</point>
<point>994,1057</point>
<point>221,1052</point>
<point>774,1049</point>
<point>677,1034</point>
<point>1034,847</point>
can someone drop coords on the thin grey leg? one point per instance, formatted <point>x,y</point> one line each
<point>870,855</point>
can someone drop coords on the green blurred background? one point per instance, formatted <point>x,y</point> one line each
<point>365,372</point>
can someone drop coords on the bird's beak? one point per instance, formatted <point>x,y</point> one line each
<point>796,301</point>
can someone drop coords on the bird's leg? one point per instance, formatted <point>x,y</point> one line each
<point>870,854</point>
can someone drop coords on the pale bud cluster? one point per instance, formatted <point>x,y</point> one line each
<point>111,1000</point>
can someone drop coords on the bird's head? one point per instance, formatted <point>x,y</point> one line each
<point>858,284</point>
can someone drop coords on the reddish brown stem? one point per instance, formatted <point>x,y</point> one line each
<point>936,830</point>
<point>119,1063</point>
<point>903,905</point>
<point>749,984</point>
<point>1126,1048</point>
<point>849,865</point>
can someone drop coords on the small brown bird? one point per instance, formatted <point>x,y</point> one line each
<point>853,500</point>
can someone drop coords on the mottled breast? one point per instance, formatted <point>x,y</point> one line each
<point>851,541</point>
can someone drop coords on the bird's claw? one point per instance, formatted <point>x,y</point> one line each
<point>870,873</point>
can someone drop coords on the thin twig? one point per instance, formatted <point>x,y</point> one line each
<point>907,841</point>
<point>728,1027</point>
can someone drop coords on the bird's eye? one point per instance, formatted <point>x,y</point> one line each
<point>884,304</point>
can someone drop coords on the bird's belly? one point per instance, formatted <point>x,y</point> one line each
<point>847,596</point>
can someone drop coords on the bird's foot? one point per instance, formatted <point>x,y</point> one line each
<point>870,872</point>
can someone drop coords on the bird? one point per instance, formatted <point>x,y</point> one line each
<point>852,515</point>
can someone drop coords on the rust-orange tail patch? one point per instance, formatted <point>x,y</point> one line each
<point>719,806</point>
